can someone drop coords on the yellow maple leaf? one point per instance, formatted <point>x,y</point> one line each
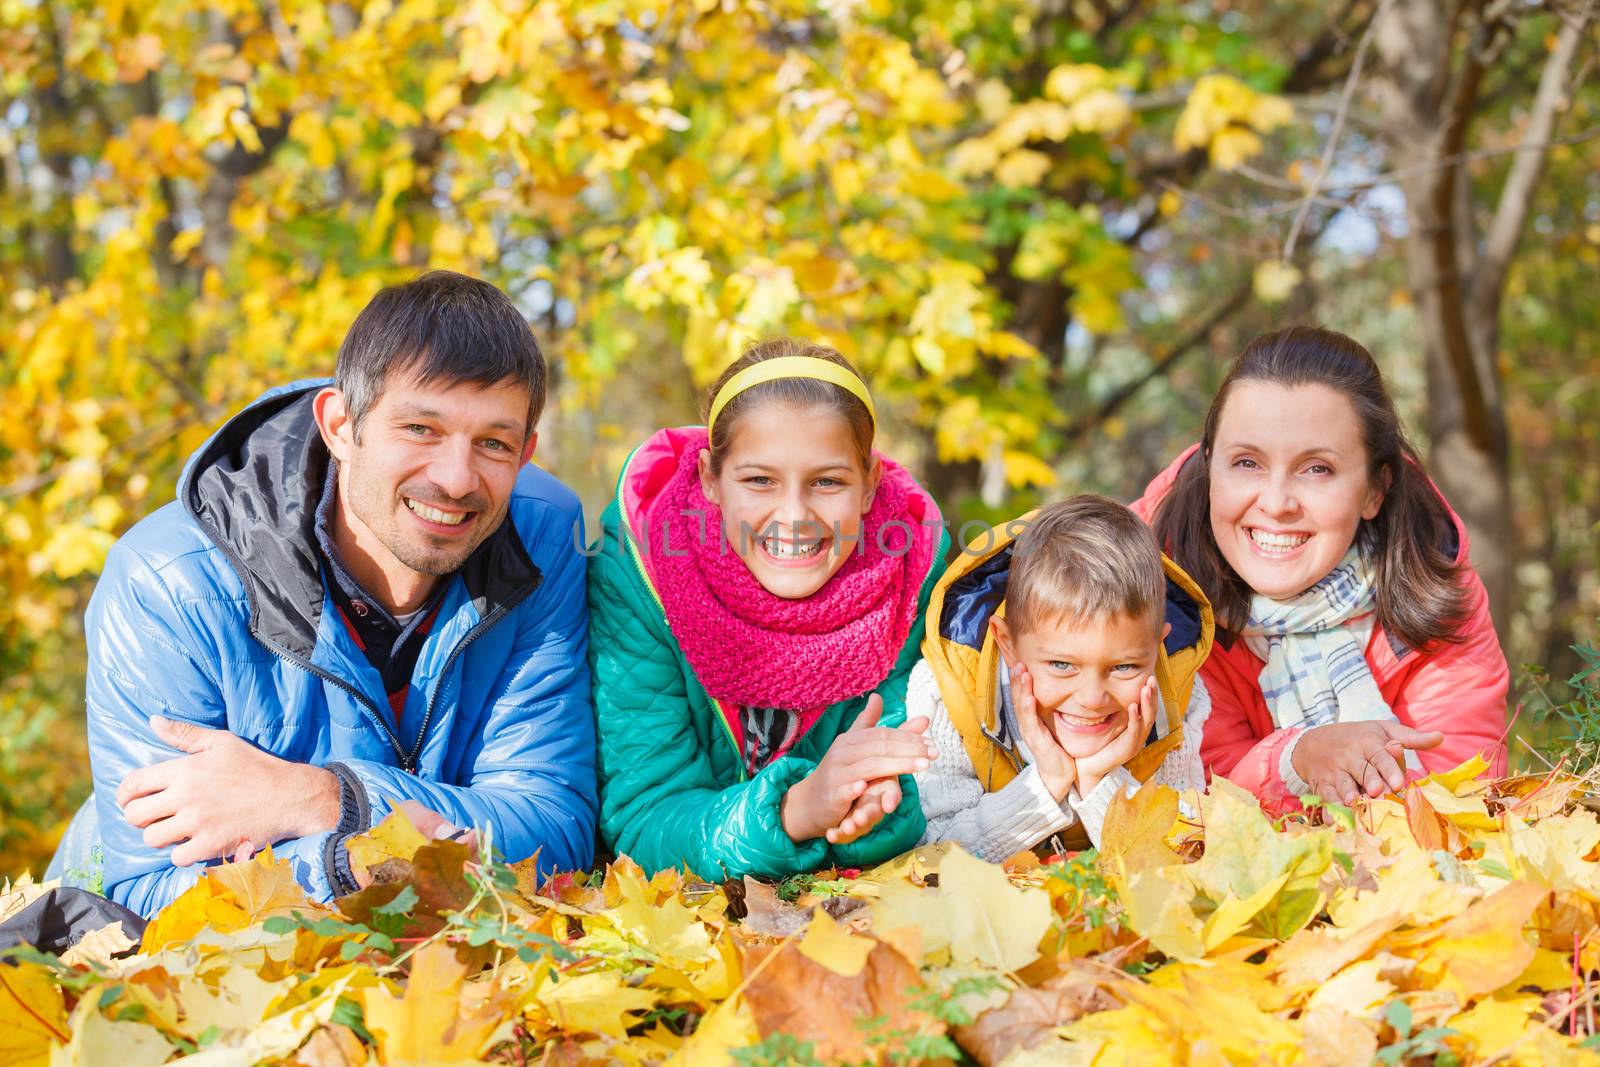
<point>1495,1026</point>
<point>975,912</point>
<point>834,947</point>
<point>97,1040</point>
<point>1244,853</point>
<point>33,1017</point>
<point>430,1021</point>
<point>597,1002</point>
<point>724,1028</point>
<point>670,929</point>
<point>228,898</point>
<point>394,838</point>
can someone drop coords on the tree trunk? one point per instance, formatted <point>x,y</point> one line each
<point>1432,59</point>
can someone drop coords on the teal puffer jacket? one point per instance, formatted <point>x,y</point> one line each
<point>674,790</point>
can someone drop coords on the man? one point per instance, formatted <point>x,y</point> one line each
<point>363,596</point>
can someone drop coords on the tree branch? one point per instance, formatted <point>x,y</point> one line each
<point>1516,197</point>
<point>1196,336</point>
<point>1326,162</point>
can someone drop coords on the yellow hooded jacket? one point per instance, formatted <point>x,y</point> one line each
<point>960,648</point>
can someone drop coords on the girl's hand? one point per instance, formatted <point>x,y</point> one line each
<point>881,797</point>
<point>1343,760</point>
<point>1126,744</point>
<point>1056,769</point>
<point>860,756</point>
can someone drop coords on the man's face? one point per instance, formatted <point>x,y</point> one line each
<point>431,472</point>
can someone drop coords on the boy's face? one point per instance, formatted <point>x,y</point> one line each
<point>1085,675</point>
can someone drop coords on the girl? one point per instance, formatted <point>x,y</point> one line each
<point>1355,645</point>
<point>755,609</point>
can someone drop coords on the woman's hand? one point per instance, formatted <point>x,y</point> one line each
<point>1056,769</point>
<point>1343,760</point>
<point>824,802</point>
<point>1126,744</point>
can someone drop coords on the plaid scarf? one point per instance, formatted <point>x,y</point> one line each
<point>1314,647</point>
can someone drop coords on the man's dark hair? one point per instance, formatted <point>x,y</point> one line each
<point>439,327</point>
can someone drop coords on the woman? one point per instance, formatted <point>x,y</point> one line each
<point>1355,645</point>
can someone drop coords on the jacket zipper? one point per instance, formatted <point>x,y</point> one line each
<point>472,635</point>
<point>632,552</point>
<point>408,761</point>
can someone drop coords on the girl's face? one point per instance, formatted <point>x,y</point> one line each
<point>1289,484</point>
<point>792,493</point>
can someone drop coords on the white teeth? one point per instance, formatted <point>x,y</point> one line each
<point>790,550</point>
<point>1278,541</point>
<point>448,518</point>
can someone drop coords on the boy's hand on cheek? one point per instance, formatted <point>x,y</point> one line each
<point>1056,769</point>
<point>858,759</point>
<point>1125,745</point>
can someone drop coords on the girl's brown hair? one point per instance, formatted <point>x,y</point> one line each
<point>791,392</point>
<point>1420,599</point>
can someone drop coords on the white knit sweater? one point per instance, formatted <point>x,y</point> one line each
<point>994,826</point>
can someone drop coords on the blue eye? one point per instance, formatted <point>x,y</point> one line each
<point>1125,668</point>
<point>416,429</point>
<point>1060,665</point>
<point>496,445</point>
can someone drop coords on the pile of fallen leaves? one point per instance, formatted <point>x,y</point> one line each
<point>1455,924</point>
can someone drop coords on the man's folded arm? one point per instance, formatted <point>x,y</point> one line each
<point>140,664</point>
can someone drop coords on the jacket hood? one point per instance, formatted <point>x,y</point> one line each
<point>254,487</point>
<point>959,646</point>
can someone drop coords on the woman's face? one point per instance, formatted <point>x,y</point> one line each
<point>1289,484</point>
<point>792,493</point>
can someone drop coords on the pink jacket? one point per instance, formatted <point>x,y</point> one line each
<point>1458,689</point>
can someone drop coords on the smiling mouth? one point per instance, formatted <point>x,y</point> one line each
<point>1079,724</point>
<point>1276,544</point>
<point>791,551</point>
<point>433,514</point>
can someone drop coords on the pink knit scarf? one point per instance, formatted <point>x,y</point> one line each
<point>753,648</point>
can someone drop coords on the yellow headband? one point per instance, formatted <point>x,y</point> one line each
<point>770,370</point>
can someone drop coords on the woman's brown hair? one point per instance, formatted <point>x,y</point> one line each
<point>1420,598</point>
<point>798,393</point>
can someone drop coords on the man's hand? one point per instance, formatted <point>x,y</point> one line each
<point>858,758</point>
<point>224,794</point>
<point>1343,760</point>
<point>1123,747</point>
<point>1056,769</point>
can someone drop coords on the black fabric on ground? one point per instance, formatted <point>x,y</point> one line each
<point>63,917</point>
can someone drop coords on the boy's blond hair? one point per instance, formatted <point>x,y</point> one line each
<point>1082,560</point>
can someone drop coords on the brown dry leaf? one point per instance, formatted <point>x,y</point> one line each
<point>1484,947</point>
<point>788,993</point>
<point>769,915</point>
<point>98,946</point>
<point>1030,1015</point>
<point>1334,1039</point>
<point>332,1045</point>
<point>1313,955</point>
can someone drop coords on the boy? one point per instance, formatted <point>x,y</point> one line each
<point>1057,669</point>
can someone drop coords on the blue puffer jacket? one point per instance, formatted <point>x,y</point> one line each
<point>214,610</point>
